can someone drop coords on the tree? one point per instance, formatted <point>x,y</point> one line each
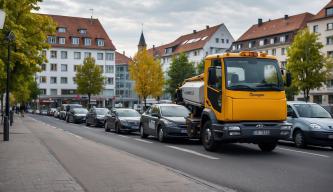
<point>309,68</point>
<point>200,67</point>
<point>31,32</point>
<point>147,74</point>
<point>89,78</point>
<point>180,69</point>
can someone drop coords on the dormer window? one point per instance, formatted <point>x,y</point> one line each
<point>52,39</point>
<point>61,30</point>
<point>329,11</point>
<point>75,40</point>
<point>87,41</point>
<point>168,50</point>
<point>100,42</point>
<point>83,31</point>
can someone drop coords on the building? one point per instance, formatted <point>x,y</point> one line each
<point>75,39</point>
<point>322,23</point>
<point>272,36</point>
<point>124,85</point>
<point>196,45</point>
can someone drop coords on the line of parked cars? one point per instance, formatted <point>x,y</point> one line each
<point>312,124</point>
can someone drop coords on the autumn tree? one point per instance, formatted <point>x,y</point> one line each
<point>147,74</point>
<point>180,69</point>
<point>89,78</point>
<point>309,68</point>
<point>30,30</point>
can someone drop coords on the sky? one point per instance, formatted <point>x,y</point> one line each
<point>163,21</point>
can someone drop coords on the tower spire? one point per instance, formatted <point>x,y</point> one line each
<point>142,42</point>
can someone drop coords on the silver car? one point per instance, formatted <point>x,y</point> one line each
<point>312,124</point>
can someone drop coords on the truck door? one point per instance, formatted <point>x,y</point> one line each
<point>214,88</point>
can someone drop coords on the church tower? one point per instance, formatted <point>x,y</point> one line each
<point>142,43</point>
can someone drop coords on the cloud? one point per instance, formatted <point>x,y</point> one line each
<point>165,20</point>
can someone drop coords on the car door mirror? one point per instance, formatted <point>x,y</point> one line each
<point>288,79</point>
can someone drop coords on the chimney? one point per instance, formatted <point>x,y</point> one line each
<point>286,17</point>
<point>207,26</point>
<point>259,21</point>
<point>194,31</point>
<point>123,52</point>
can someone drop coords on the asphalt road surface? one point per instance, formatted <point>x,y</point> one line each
<point>242,167</point>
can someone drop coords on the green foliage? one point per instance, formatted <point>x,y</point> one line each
<point>31,32</point>
<point>180,69</point>
<point>89,78</point>
<point>147,74</point>
<point>309,68</point>
<point>200,67</point>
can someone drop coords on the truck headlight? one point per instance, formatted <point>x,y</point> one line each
<point>233,130</point>
<point>315,126</point>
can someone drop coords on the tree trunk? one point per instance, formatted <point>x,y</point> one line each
<point>1,109</point>
<point>145,101</point>
<point>304,95</point>
<point>89,95</point>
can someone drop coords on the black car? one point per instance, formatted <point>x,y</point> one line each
<point>68,107</point>
<point>164,121</point>
<point>123,119</point>
<point>96,116</point>
<point>77,115</point>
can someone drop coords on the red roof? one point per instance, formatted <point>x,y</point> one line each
<point>277,26</point>
<point>322,13</point>
<point>185,43</point>
<point>93,27</point>
<point>122,59</point>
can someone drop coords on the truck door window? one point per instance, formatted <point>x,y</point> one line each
<point>215,78</point>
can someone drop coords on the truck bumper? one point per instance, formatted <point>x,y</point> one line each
<point>251,132</point>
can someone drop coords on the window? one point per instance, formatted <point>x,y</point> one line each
<point>61,30</point>
<point>329,83</point>
<point>75,68</point>
<point>283,51</point>
<point>273,51</point>
<point>318,99</point>
<point>109,81</point>
<point>74,80</point>
<point>252,44</point>
<point>99,56</point>
<point>52,39</point>
<point>330,99</point>
<point>222,40</point>
<point>329,11</point>
<point>68,91</point>
<point>63,80</point>
<point>109,56</point>
<point>217,40</point>
<point>42,79</point>
<point>44,53</point>
<point>239,46</point>
<point>282,39</point>
<point>77,55</point>
<point>109,69</point>
<point>62,40</point>
<point>227,40</point>
<point>43,67</point>
<point>53,54</point>
<point>53,67</point>
<point>329,40</point>
<point>54,92</point>
<point>87,41</point>
<point>261,43</point>
<point>195,53</point>
<point>87,54</point>
<point>42,91</point>
<point>100,42</point>
<point>272,41</point>
<point>64,67</point>
<point>233,48</point>
<point>315,28</point>
<point>330,53</point>
<point>83,31</point>
<point>75,40</point>
<point>53,80</point>
<point>63,54</point>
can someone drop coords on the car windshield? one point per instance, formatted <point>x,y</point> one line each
<point>174,111</point>
<point>253,74</point>
<point>102,111</point>
<point>127,113</point>
<point>80,111</point>
<point>311,111</point>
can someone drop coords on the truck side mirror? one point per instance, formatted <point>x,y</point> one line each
<point>288,79</point>
<point>212,78</point>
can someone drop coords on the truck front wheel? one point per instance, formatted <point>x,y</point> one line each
<point>267,146</point>
<point>207,137</point>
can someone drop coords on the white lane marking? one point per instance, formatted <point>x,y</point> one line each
<point>193,152</point>
<point>143,141</point>
<point>304,152</point>
<point>123,136</point>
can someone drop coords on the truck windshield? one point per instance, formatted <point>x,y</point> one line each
<point>253,74</point>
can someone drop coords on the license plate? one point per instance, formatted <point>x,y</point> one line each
<point>183,131</point>
<point>261,132</point>
<point>330,136</point>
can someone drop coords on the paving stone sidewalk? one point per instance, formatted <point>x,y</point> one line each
<point>27,166</point>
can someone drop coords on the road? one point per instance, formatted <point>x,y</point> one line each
<point>242,167</point>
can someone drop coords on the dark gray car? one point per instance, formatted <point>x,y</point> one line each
<point>164,121</point>
<point>77,115</point>
<point>96,116</point>
<point>312,124</point>
<point>123,120</point>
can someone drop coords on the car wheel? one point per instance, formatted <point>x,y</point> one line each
<point>207,137</point>
<point>87,124</point>
<point>299,139</point>
<point>106,127</point>
<point>118,127</point>
<point>142,132</point>
<point>267,146</point>
<point>161,135</point>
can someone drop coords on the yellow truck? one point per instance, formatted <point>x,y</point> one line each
<point>240,97</point>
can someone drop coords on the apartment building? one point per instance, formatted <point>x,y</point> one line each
<point>75,39</point>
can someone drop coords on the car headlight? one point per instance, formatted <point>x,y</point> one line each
<point>124,123</point>
<point>170,124</point>
<point>315,126</point>
<point>286,127</point>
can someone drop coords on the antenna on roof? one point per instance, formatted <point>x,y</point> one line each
<point>92,14</point>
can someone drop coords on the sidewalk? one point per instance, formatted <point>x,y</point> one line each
<point>27,166</point>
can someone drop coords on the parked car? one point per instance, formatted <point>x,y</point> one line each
<point>67,108</point>
<point>51,111</point>
<point>43,112</point>
<point>328,109</point>
<point>312,124</point>
<point>56,113</point>
<point>122,119</point>
<point>77,115</point>
<point>36,111</point>
<point>62,111</point>
<point>30,111</point>
<point>164,121</point>
<point>96,116</point>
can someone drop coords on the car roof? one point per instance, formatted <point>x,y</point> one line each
<point>299,102</point>
<point>166,104</point>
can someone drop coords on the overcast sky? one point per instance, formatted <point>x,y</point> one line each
<point>165,20</point>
